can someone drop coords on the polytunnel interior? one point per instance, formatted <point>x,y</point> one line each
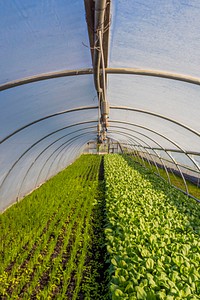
<point>72,72</point>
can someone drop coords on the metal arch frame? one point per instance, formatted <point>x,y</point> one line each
<point>137,154</point>
<point>177,167</point>
<point>174,143</point>
<point>153,140</point>
<point>112,107</point>
<point>179,152</point>
<point>48,117</point>
<point>45,76</point>
<point>155,115</point>
<point>59,153</point>
<point>171,170</point>
<point>40,140</point>
<point>146,152</point>
<point>189,195</point>
<point>65,135</point>
<point>161,135</point>
<point>89,71</point>
<point>68,141</point>
<point>136,151</point>
<point>164,159</point>
<point>146,129</point>
<point>165,118</point>
<point>156,154</point>
<point>79,151</point>
<point>132,71</point>
<point>129,123</point>
<point>183,178</point>
<point>155,73</point>
<point>61,156</point>
<point>140,145</point>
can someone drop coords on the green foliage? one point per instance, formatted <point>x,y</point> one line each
<point>52,244</point>
<point>46,236</point>
<point>95,278</point>
<point>152,235</point>
<point>174,179</point>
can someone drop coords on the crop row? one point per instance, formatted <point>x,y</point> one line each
<point>45,238</point>
<point>152,234</point>
<point>53,244</point>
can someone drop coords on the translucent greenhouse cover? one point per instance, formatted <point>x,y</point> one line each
<point>45,125</point>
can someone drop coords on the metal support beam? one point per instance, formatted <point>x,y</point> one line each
<point>89,71</point>
<point>100,62</point>
<point>175,163</point>
<point>155,73</point>
<point>48,146</point>
<point>47,117</point>
<point>150,148</point>
<point>177,151</point>
<point>44,76</point>
<point>166,138</point>
<point>118,107</point>
<point>156,154</point>
<point>55,141</point>
<point>58,148</point>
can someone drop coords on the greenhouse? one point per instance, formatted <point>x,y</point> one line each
<point>99,149</point>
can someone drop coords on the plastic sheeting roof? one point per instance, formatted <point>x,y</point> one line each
<point>47,36</point>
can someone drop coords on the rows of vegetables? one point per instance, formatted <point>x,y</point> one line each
<point>152,234</point>
<point>47,240</point>
<point>85,234</point>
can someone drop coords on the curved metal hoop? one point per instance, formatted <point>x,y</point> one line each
<point>146,156</point>
<point>156,154</point>
<point>89,71</point>
<point>34,161</point>
<point>48,117</point>
<point>171,157</point>
<point>134,138</point>
<point>136,153</point>
<point>155,73</point>
<point>66,142</point>
<point>61,155</point>
<point>183,178</point>
<point>161,135</point>
<point>155,115</point>
<point>153,140</point>
<point>37,142</point>
<point>44,76</point>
